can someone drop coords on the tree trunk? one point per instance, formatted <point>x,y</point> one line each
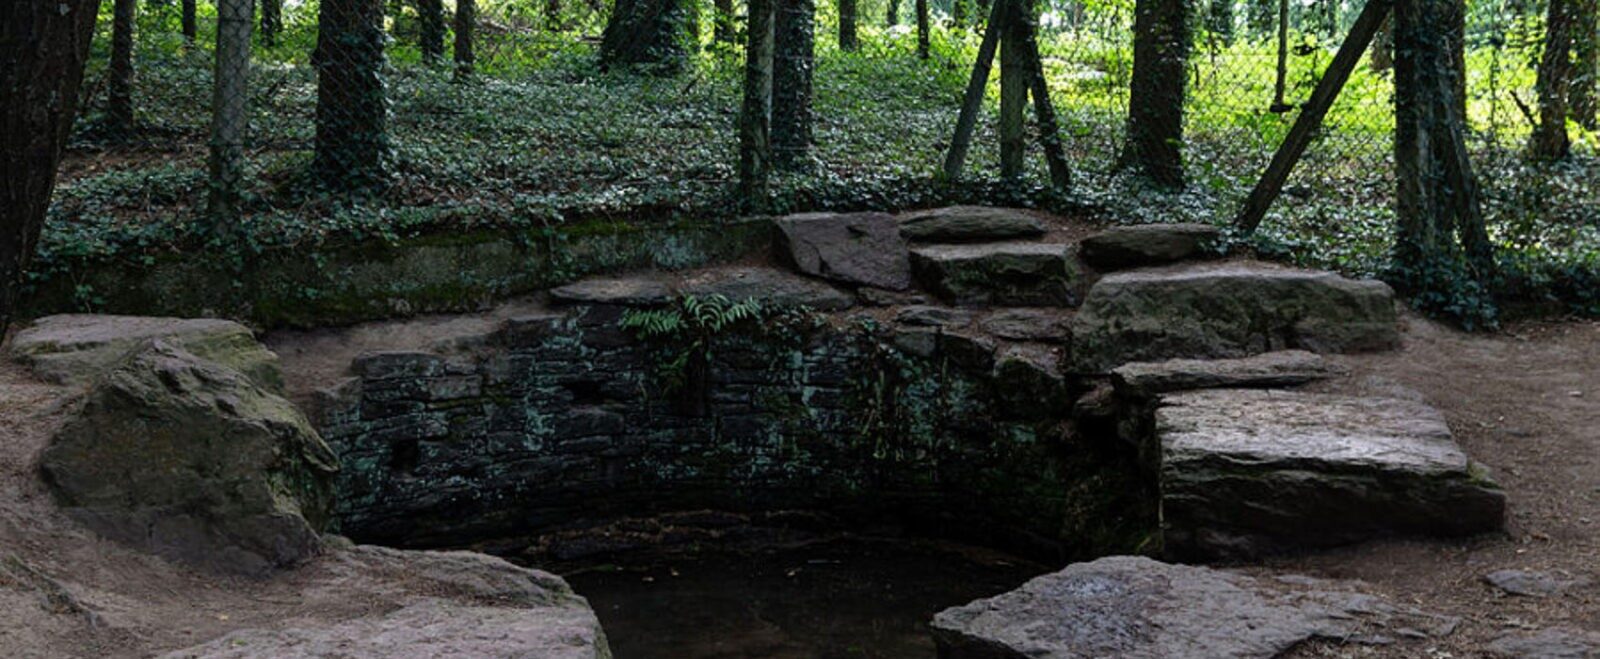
<point>352,141</point>
<point>755,120</point>
<point>723,30</point>
<point>44,46</point>
<point>1221,20</point>
<point>922,29</point>
<point>230,91</point>
<point>1026,27</point>
<point>430,23</point>
<point>847,25</point>
<point>1586,52</point>
<point>466,21</point>
<point>793,60</point>
<point>189,22</point>
<point>1437,204</point>
<point>652,33</point>
<point>1549,139</point>
<point>271,20</point>
<point>1155,112</point>
<point>1280,83</point>
<point>1382,56</point>
<point>119,72</point>
<point>892,16</point>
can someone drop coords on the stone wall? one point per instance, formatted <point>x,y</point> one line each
<point>563,421</point>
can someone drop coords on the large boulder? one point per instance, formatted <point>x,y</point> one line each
<point>1005,274</point>
<point>77,348</point>
<point>1149,244</point>
<point>193,461</point>
<point>1249,471</point>
<point>1138,608</point>
<point>1228,310</point>
<point>965,224</point>
<point>863,249</point>
<point>428,605</point>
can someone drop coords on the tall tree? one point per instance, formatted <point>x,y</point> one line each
<point>119,72</point>
<point>43,48</point>
<point>922,29</point>
<point>1586,56</point>
<point>352,140</point>
<point>1549,139</point>
<point>653,33</point>
<point>755,118</point>
<point>793,60</point>
<point>466,22</point>
<point>1015,77</point>
<point>189,23</point>
<point>847,25</point>
<point>891,15</point>
<point>230,91</point>
<point>1440,221</point>
<point>430,23</point>
<point>1382,56</point>
<point>1155,112</point>
<point>271,20</point>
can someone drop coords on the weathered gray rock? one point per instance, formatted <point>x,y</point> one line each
<point>193,461</point>
<point>1228,310</point>
<point>1248,471</point>
<point>1005,274</point>
<point>1138,608</point>
<point>1272,369</point>
<point>1533,583</point>
<point>440,604</point>
<point>642,291</point>
<point>853,248</point>
<point>1033,386</point>
<point>1553,643</point>
<point>774,287</point>
<point>1044,325</point>
<point>926,316</point>
<point>878,297</point>
<point>1149,244</point>
<point>78,348</point>
<point>959,224</point>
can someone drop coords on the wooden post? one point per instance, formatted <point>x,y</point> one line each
<point>956,158</point>
<point>1294,146</point>
<point>1014,79</point>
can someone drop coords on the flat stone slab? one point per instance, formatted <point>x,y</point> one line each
<point>429,605</point>
<point>1138,608</point>
<point>963,224</point>
<point>1222,310</point>
<point>768,285</point>
<point>1534,583</point>
<point>1043,325</point>
<point>1248,471</point>
<point>1552,643</point>
<point>1014,274</point>
<point>624,291</point>
<point>863,249</point>
<point>1273,369</point>
<point>79,348</point>
<point>1149,244</point>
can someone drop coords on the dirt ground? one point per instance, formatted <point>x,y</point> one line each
<point>1525,402</point>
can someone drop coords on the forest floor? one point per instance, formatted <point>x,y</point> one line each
<point>1522,401</point>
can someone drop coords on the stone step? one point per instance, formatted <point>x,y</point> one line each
<point>1138,608</point>
<point>1149,244</point>
<point>1273,369</point>
<point>1249,471</point>
<point>1224,310</point>
<point>1000,274</point>
<point>965,224</point>
<point>857,249</point>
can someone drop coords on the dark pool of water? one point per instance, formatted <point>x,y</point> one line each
<point>852,598</point>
